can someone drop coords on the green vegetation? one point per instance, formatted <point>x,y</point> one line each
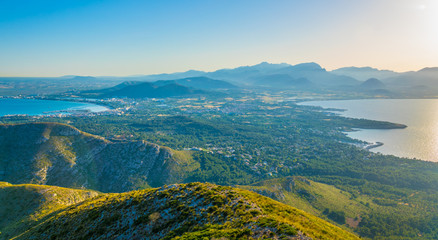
<point>186,211</point>
<point>241,139</point>
<point>367,213</point>
<point>22,206</point>
<point>58,154</point>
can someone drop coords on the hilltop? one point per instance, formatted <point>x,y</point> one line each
<point>25,204</point>
<point>183,211</point>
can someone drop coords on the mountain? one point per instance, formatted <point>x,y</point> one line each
<point>164,76</point>
<point>373,83</point>
<point>317,75</point>
<point>134,89</point>
<point>83,78</point>
<point>61,155</point>
<point>427,77</point>
<point>25,204</point>
<point>313,72</point>
<point>364,73</point>
<point>242,74</point>
<point>198,83</point>
<point>282,81</point>
<point>184,211</point>
<point>422,83</point>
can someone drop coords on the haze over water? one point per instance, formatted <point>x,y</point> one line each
<point>419,140</point>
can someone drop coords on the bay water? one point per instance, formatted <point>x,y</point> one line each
<point>12,106</point>
<point>419,140</point>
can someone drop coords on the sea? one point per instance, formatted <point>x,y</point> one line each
<point>419,140</point>
<point>33,107</point>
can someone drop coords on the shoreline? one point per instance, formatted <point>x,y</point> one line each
<point>373,145</point>
<point>87,108</point>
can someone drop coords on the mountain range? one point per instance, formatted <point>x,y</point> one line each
<point>312,77</point>
<point>159,89</point>
<point>365,73</point>
<point>304,76</point>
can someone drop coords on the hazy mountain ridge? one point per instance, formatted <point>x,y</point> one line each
<point>185,211</point>
<point>282,81</point>
<point>425,76</point>
<point>365,73</point>
<point>248,75</point>
<point>142,90</point>
<point>422,83</point>
<point>61,155</point>
<point>198,83</point>
<point>308,76</point>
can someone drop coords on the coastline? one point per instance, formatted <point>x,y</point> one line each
<point>373,145</point>
<point>86,108</point>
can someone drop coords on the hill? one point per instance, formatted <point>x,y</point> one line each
<point>198,83</point>
<point>141,90</point>
<point>372,83</point>
<point>186,211</point>
<point>61,155</point>
<point>376,216</point>
<point>23,205</point>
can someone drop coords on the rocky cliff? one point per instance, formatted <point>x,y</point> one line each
<point>61,155</point>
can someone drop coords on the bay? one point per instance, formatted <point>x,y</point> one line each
<point>12,106</point>
<point>419,140</point>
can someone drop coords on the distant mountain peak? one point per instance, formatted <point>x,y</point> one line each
<point>373,83</point>
<point>429,69</point>
<point>267,64</point>
<point>310,66</point>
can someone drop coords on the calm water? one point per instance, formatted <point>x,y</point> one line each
<point>43,107</point>
<point>419,140</point>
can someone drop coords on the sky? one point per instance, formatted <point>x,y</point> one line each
<point>132,37</point>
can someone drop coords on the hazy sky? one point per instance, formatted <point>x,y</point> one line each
<point>127,37</point>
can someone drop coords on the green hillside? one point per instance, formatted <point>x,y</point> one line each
<point>186,211</point>
<point>142,90</point>
<point>384,216</point>
<point>23,205</point>
<point>61,155</point>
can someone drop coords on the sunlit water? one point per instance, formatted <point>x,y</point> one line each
<point>419,140</point>
<point>43,107</point>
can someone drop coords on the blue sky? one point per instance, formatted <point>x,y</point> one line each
<point>54,38</point>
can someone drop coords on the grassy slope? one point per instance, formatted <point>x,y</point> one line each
<point>186,211</point>
<point>316,198</point>
<point>310,196</point>
<point>23,205</point>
